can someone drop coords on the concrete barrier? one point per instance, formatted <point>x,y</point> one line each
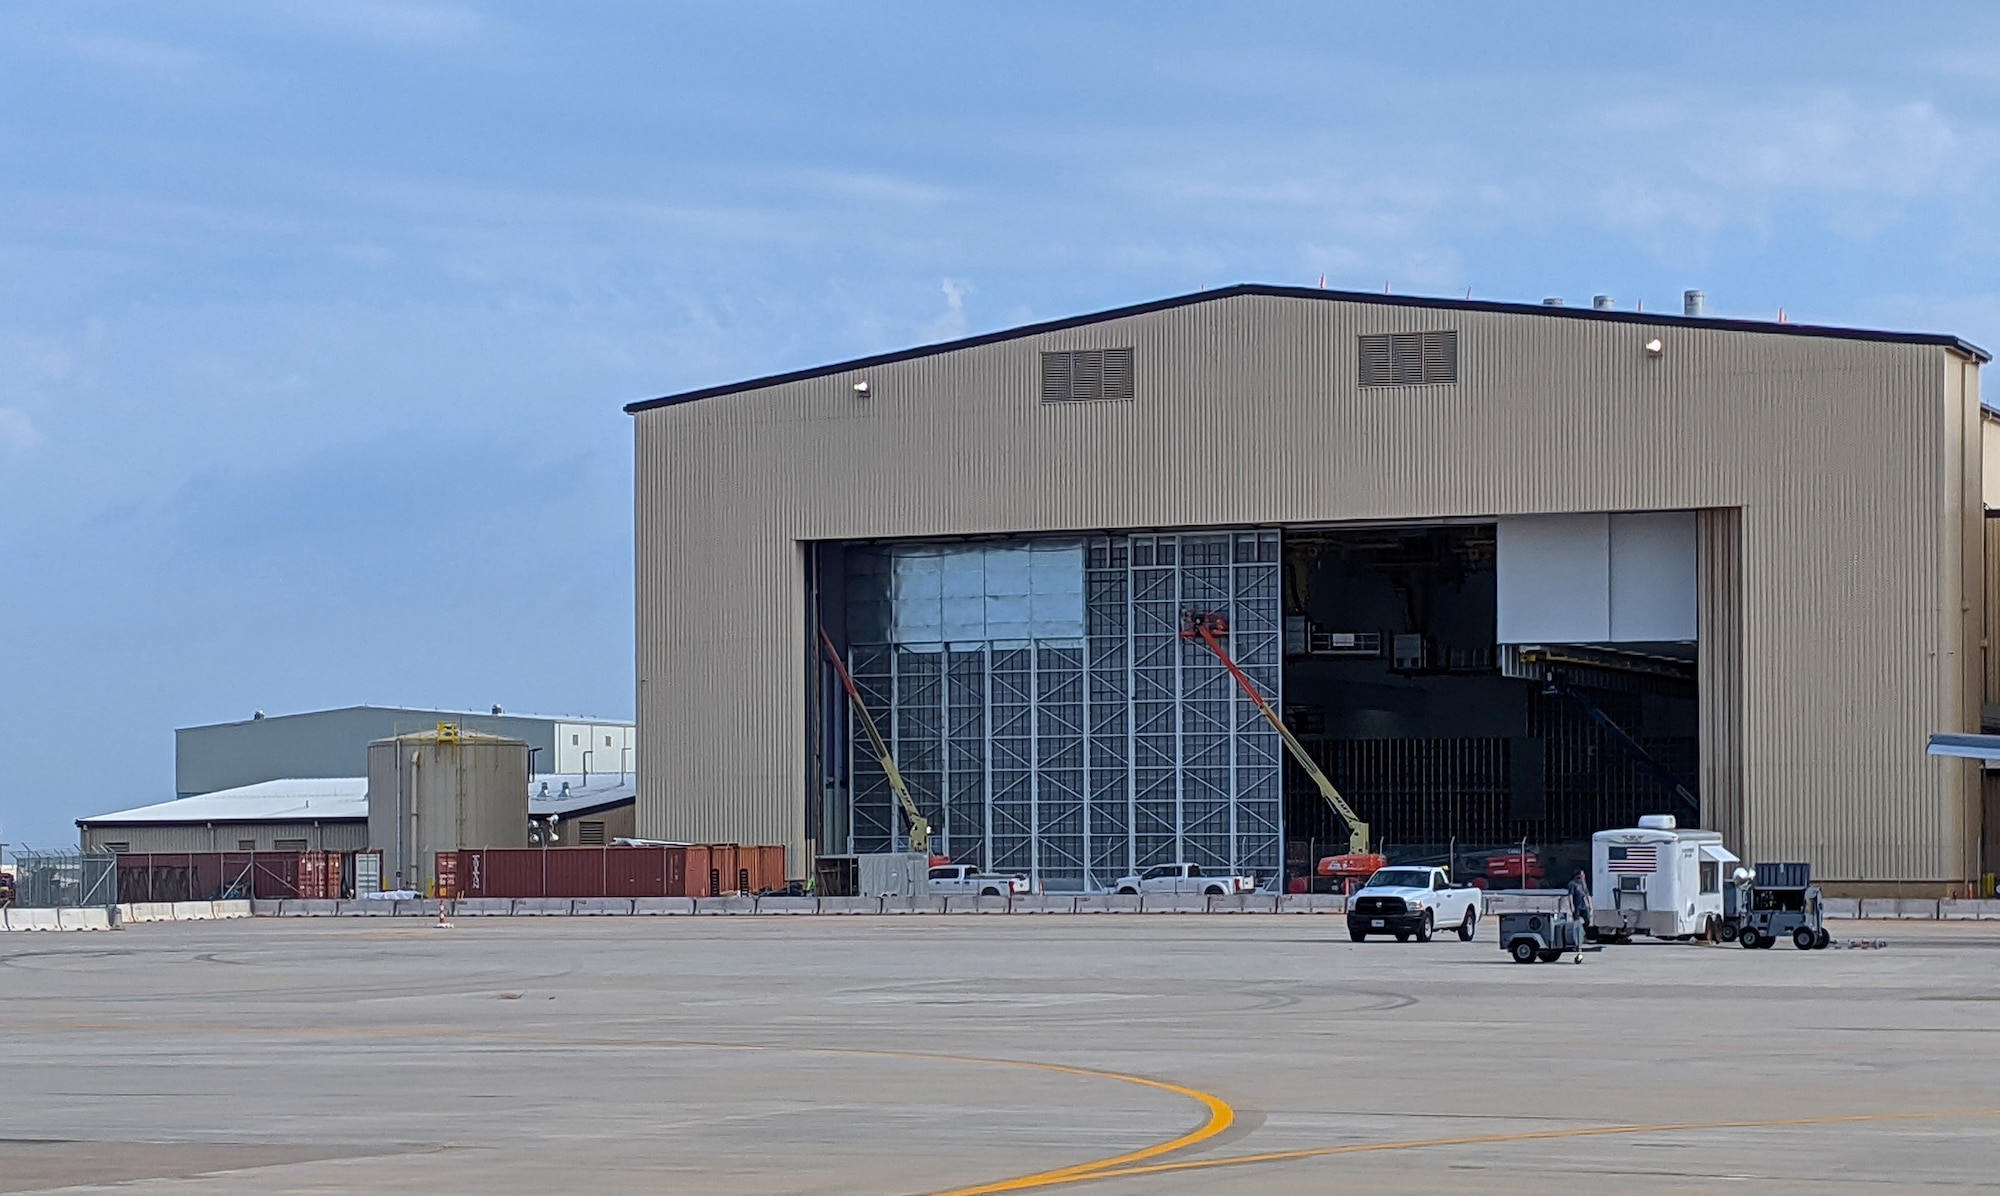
<point>600,906</point>
<point>308,907</point>
<point>1898,907</point>
<point>541,907</point>
<point>1044,903</point>
<point>663,905</point>
<point>266,909</point>
<point>850,905</point>
<point>976,905</point>
<point>1172,904</point>
<point>1963,911</point>
<point>1244,903</point>
<point>482,907</point>
<point>148,911</point>
<point>421,907</point>
<point>1840,907</point>
<point>913,905</point>
<point>231,909</point>
<point>194,911</point>
<point>32,919</point>
<point>1312,903</point>
<point>92,918</point>
<point>787,905</point>
<point>1108,903</point>
<point>725,905</point>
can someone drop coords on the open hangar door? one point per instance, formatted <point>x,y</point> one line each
<point>1489,694</point>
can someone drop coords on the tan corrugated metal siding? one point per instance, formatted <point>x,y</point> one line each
<point>1847,459</point>
<point>1719,658</point>
<point>226,836</point>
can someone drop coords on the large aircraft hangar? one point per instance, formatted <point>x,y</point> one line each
<point>1512,573</point>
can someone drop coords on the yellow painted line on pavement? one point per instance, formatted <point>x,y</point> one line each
<point>1220,1115</point>
<point>1595,1131</point>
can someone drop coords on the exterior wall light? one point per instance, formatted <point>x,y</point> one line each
<point>1654,347</point>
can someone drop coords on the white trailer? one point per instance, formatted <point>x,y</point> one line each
<point>1657,879</point>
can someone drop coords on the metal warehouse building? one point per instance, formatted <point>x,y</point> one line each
<point>1515,573</point>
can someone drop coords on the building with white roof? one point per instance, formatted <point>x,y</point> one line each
<point>331,814</point>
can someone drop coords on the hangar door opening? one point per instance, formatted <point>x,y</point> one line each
<point>1490,694</point>
<point>1043,707</point>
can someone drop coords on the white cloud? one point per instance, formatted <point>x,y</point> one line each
<point>951,325</point>
<point>17,431</point>
<point>162,60</point>
<point>1832,144</point>
<point>397,23</point>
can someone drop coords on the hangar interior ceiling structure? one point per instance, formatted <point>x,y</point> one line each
<point>1468,686</point>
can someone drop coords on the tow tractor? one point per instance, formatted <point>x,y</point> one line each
<point>920,827</point>
<point>1774,901</point>
<point>1209,628</point>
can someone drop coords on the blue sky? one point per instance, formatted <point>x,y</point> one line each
<point>316,318</point>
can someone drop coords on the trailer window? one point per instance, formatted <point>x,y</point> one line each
<point>1711,876</point>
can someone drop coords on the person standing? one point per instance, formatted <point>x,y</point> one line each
<point>1579,897</point>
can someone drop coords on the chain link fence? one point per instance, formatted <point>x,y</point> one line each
<point>65,879</point>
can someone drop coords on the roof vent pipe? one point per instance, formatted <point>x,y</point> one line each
<point>1602,302</point>
<point>1552,302</point>
<point>1692,303</point>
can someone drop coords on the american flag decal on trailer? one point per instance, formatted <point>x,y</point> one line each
<point>1642,857</point>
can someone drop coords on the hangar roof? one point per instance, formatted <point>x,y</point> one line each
<point>444,716</point>
<point>339,799</point>
<point>1264,290</point>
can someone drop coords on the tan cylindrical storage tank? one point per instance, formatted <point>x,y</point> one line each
<point>443,790</point>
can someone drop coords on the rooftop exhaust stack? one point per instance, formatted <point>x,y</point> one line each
<point>1602,302</point>
<point>1552,303</point>
<point>1692,303</point>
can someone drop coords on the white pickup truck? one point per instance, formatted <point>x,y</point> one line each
<point>1406,901</point>
<point>966,880</point>
<point>1184,880</point>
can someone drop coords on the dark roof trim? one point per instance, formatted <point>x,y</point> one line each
<point>101,822</point>
<point>603,807</point>
<point>1277,292</point>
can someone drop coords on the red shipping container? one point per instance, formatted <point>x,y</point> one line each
<point>699,871</point>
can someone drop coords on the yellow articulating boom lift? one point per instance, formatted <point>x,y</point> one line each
<point>1209,627</point>
<point>920,827</point>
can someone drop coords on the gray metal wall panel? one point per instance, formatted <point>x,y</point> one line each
<point>1844,457</point>
<point>328,743</point>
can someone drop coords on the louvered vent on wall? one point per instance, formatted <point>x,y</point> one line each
<point>1085,375</point>
<point>1409,358</point>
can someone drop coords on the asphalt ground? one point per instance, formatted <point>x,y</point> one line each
<point>1106,1054</point>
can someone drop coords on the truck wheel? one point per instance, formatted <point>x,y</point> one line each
<point>1128,892</point>
<point>1765,942</point>
<point>1728,932</point>
<point>1425,931</point>
<point>989,892</point>
<point>1822,940</point>
<point>1747,938</point>
<point>1356,935</point>
<point>1212,891</point>
<point>1523,950</point>
<point>1469,927</point>
<point>1804,939</point>
<point>1548,956</point>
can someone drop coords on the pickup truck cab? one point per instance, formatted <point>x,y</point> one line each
<point>966,880</point>
<point>1406,901</point>
<point>1184,880</point>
